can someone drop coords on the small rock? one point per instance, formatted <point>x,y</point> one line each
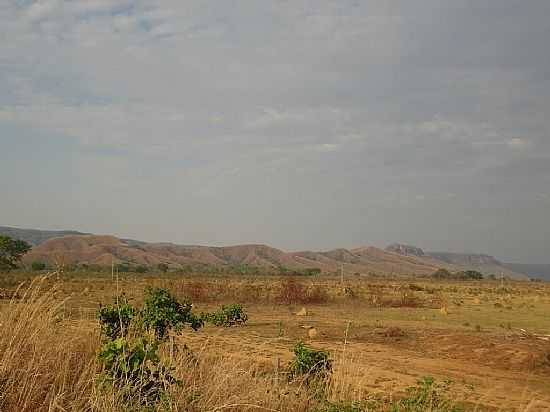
<point>312,333</point>
<point>302,312</point>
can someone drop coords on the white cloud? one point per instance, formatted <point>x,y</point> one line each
<point>239,96</point>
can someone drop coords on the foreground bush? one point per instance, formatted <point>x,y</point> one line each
<point>310,363</point>
<point>115,319</point>
<point>427,395</point>
<point>162,312</point>
<point>228,315</point>
<point>134,369</point>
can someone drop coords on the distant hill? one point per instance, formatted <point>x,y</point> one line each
<point>534,271</point>
<point>485,264</point>
<point>103,250</point>
<point>366,260</point>
<point>74,247</point>
<point>34,236</point>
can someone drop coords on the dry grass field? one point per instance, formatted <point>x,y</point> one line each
<point>383,335</point>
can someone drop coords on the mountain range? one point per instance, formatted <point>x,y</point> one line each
<point>78,248</point>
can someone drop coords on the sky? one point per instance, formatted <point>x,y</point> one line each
<point>303,124</point>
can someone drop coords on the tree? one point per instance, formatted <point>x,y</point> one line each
<point>163,267</point>
<point>11,251</point>
<point>473,274</point>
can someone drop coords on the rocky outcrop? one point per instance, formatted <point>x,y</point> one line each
<point>405,250</point>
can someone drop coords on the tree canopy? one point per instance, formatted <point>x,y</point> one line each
<point>11,251</point>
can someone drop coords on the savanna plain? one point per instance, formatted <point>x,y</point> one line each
<point>373,344</point>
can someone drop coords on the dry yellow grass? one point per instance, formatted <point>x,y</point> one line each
<point>45,364</point>
<point>49,364</point>
<point>48,352</point>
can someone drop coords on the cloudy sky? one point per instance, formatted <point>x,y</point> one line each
<point>296,123</point>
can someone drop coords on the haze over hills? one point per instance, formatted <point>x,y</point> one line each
<point>483,263</point>
<point>35,236</point>
<point>79,248</point>
<point>532,270</point>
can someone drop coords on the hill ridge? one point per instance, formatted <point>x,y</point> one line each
<point>79,248</point>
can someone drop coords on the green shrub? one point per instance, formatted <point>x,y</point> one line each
<point>134,369</point>
<point>11,252</point>
<point>344,407</point>
<point>141,269</point>
<point>228,315</point>
<point>473,274</point>
<point>115,320</point>
<point>311,272</point>
<point>311,363</point>
<point>96,268</point>
<point>38,266</point>
<point>442,274</point>
<point>123,267</point>
<point>427,395</point>
<point>162,312</point>
<point>466,275</point>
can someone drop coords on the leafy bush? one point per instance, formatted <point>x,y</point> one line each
<point>314,364</point>
<point>123,267</point>
<point>299,272</point>
<point>134,369</point>
<point>311,272</point>
<point>162,312</point>
<point>427,395</point>
<point>38,266</point>
<point>228,315</point>
<point>343,407</point>
<point>141,269</point>
<point>470,274</point>
<point>131,365</point>
<point>162,267</point>
<point>442,274</point>
<point>466,275</point>
<point>115,320</point>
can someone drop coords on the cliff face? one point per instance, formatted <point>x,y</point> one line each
<point>406,250</point>
<point>483,263</point>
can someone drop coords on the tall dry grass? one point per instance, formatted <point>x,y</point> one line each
<point>48,363</point>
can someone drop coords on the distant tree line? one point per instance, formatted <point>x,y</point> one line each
<point>462,275</point>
